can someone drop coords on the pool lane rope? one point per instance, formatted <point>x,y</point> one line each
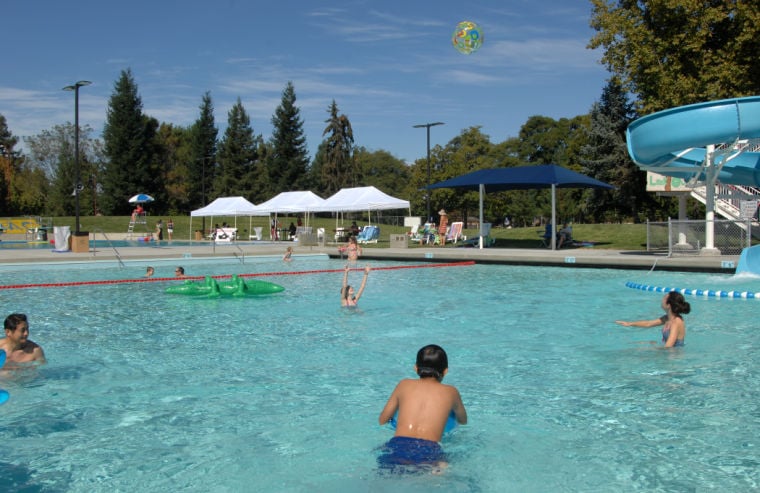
<point>705,293</point>
<point>227,276</point>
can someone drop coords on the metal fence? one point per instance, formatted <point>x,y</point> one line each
<point>688,237</point>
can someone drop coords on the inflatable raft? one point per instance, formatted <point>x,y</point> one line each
<point>237,287</point>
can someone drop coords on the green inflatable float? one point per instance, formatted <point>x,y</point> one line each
<point>235,287</point>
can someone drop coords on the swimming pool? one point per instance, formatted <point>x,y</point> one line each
<point>150,392</point>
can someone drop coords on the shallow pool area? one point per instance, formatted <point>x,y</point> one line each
<point>146,391</point>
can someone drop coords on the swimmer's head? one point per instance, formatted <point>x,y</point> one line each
<point>676,301</point>
<point>347,291</point>
<point>14,320</point>
<point>432,362</point>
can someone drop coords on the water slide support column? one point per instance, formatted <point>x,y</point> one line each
<point>709,248</point>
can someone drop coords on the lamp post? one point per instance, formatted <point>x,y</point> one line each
<point>427,191</point>
<point>77,182</point>
<point>203,187</point>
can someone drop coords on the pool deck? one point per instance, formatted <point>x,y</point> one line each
<point>572,257</point>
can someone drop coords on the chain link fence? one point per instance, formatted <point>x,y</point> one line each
<point>678,238</point>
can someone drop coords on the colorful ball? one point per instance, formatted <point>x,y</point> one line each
<point>467,37</point>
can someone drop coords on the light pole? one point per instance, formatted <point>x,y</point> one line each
<point>427,191</point>
<point>203,161</point>
<point>77,182</point>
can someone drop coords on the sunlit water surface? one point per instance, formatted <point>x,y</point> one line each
<point>146,391</point>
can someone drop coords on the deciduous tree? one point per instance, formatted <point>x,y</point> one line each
<point>675,52</point>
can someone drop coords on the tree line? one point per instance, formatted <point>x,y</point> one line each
<point>659,55</point>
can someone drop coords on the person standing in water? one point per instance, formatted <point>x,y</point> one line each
<point>16,343</point>
<point>347,295</point>
<point>674,328</point>
<point>423,408</point>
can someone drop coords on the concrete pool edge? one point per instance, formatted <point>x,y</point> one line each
<point>581,257</point>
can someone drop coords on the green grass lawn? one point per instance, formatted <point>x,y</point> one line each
<point>603,236</point>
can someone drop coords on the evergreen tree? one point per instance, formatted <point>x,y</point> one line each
<point>130,149</point>
<point>338,168</point>
<point>174,156</point>
<point>605,157</point>
<point>288,159</point>
<point>202,164</point>
<point>260,185</point>
<point>237,155</point>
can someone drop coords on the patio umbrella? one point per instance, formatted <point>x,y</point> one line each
<point>522,178</point>
<point>141,198</point>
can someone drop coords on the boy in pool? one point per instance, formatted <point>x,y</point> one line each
<point>423,408</point>
<point>17,346</point>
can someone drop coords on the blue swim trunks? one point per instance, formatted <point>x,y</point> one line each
<point>407,451</point>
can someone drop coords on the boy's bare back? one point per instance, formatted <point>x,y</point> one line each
<point>423,407</point>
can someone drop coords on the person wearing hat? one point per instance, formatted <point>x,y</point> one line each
<point>443,225</point>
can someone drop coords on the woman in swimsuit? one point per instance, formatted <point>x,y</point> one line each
<point>347,296</point>
<point>353,250</point>
<point>674,328</point>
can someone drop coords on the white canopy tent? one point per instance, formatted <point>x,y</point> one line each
<point>226,207</point>
<point>361,199</point>
<point>291,202</point>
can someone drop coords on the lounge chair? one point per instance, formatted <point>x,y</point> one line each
<point>321,236</point>
<point>546,236</point>
<point>455,232</point>
<point>414,234</point>
<point>427,235</point>
<point>369,234</point>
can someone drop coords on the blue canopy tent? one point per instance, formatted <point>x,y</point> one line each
<point>522,178</point>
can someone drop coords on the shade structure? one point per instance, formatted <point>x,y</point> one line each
<point>140,198</point>
<point>361,199</point>
<point>522,178</point>
<point>226,206</point>
<point>290,202</point>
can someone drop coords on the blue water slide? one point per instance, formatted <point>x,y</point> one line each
<point>675,139</point>
<point>749,262</point>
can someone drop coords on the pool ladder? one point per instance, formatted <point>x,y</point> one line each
<point>240,257</point>
<point>115,251</point>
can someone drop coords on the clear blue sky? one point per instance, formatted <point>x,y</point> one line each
<point>388,64</point>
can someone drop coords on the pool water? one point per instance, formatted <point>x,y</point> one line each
<point>146,391</point>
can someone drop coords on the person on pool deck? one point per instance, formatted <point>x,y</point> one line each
<point>149,272</point>
<point>423,407</point>
<point>159,230</point>
<point>18,348</point>
<point>347,296</point>
<point>179,272</point>
<point>674,330</point>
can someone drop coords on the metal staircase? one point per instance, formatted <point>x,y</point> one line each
<point>728,200</point>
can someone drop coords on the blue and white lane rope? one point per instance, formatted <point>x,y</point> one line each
<point>706,293</point>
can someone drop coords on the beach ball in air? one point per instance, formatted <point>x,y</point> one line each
<point>467,37</point>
